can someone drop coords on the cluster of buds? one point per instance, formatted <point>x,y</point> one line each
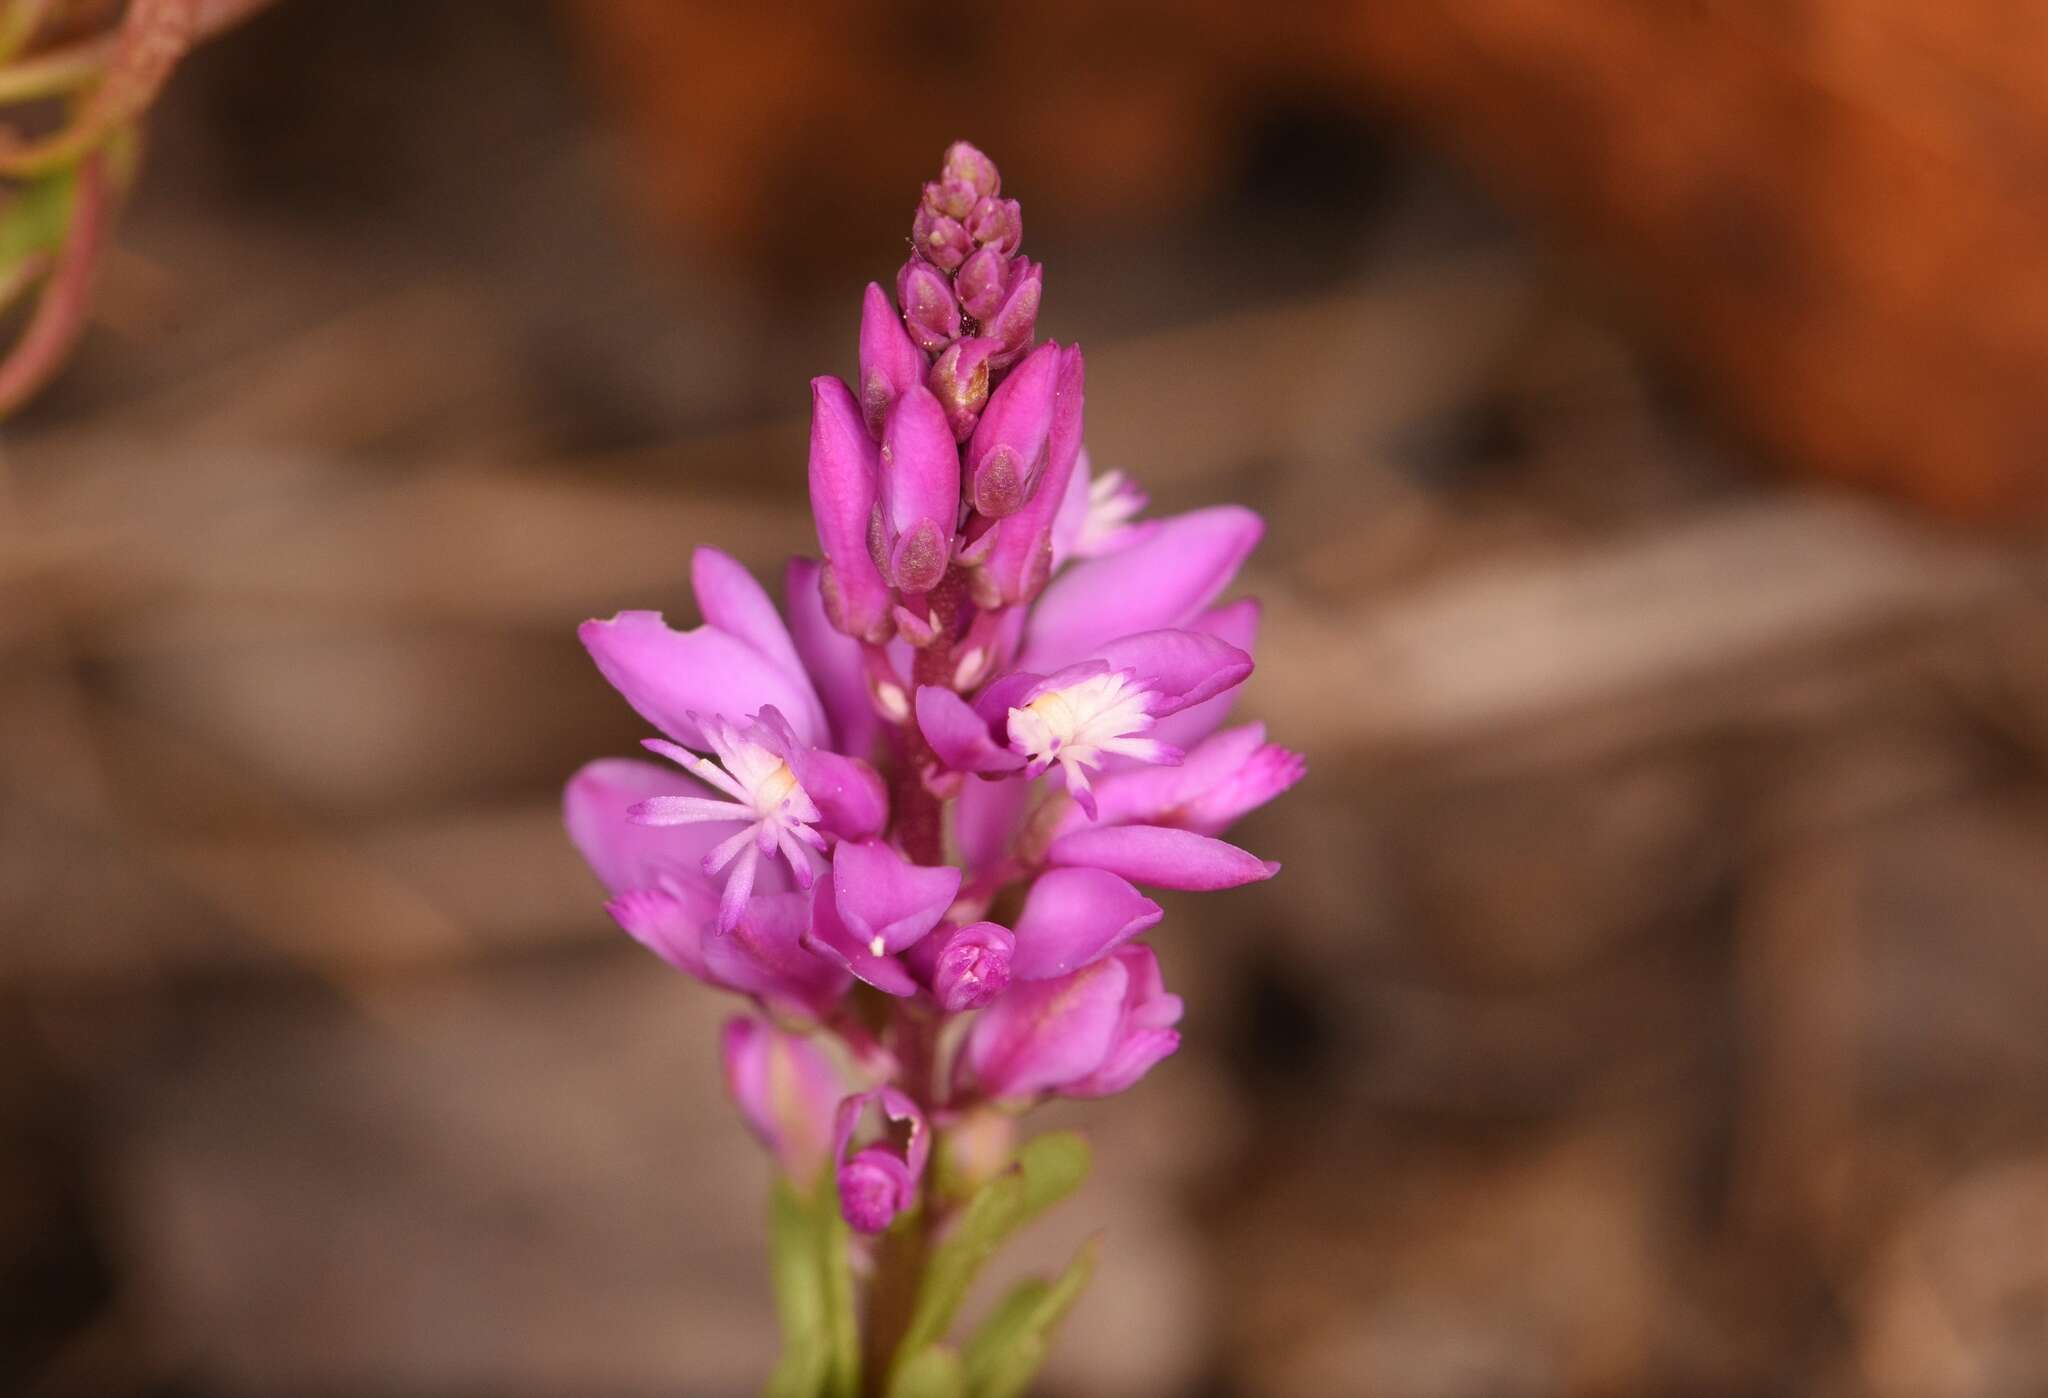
<point>969,300</point>
<point>913,816</point>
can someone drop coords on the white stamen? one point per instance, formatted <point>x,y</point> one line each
<point>968,673</point>
<point>1113,501</point>
<point>1080,724</point>
<point>892,701</point>
<point>775,812</point>
<point>878,946</point>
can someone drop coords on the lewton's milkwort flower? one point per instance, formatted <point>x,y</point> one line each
<point>913,815</point>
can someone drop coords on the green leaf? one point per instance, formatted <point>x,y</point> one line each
<point>1007,1351</point>
<point>1046,1171</point>
<point>797,1257</point>
<point>34,217</point>
<point>931,1373</point>
<point>835,1268</point>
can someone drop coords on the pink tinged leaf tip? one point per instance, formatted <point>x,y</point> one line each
<point>786,1089</point>
<point>844,463</point>
<point>889,363</point>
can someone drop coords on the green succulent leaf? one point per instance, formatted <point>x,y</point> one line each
<point>931,1373</point>
<point>1009,1348</point>
<point>1047,1169</point>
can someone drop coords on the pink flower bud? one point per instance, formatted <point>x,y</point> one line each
<point>786,1089</point>
<point>972,966</point>
<point>889,362</point>
<point>1015,569</point>
<point>1016,321</point>
<point>966,165</point>
<point>844,464</point>
<point>881,1180</point>
<point>959,379</point>
<point>950,198</point>
<point>941,238</point>
<point>981,282</point>
<point>1091,1033</point>
<point>1007,455</point>
<point>996,224</point>
<point>929,308</point>
<point>920,491</point>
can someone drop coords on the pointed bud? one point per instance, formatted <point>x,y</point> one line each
<point>996,224</point>
<point>966,165</point>
<point>881,1180</point>
<point>889,362</point>
<point>1015,569</point>
<point>844,464</point>
<point>1007,455</point>
<point>919,492</point>
<point>959,379</point>
<point>941,238</point>
<point>981,282</point>
<point>950,198</point>
<point>973,966</point>
<point>786,1089</point>
<point>1016,322</point>
<point>929,308</point>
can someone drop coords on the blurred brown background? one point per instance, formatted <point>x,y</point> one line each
<point>1651,1004</point>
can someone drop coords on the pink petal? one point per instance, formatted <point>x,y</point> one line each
<point>667,675</point>
<point>1182,667</point>
<point>1072,917</point>
<point>623,854</point>
<point>833,662</point>
<point>1165,580</point>
<point>882,896</point>
<point>1161,856</point>
<point>1043,1034</point>
<point>1237,624</point>
<point>958,735</point>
